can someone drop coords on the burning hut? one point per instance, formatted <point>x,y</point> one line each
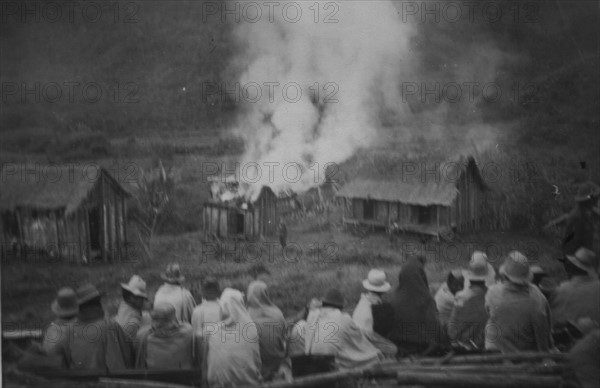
<point>236,211</point>
<point>63,211</point>
<point>429,203</point>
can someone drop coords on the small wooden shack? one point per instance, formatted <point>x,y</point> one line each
<point>447,197</point>
<point>66,212</point>
<point>242,218</point>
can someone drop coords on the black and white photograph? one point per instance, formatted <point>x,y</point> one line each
<point>300,193</point>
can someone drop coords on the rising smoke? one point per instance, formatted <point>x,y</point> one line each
<point>333,88</point>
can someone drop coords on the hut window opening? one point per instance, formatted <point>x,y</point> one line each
<point>424,214</point>
<point>369,209</point>
<point>94,225</point>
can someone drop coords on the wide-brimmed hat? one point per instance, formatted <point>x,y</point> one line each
<point>376,281</point>
<point>334,298</point>
<point>584,259</point>
<point>65,304</point>
<point>479,268</point>
<point>210,288</point>
<point>86,293</point>
<point>586,191</point>
<point>516,268</point>
<point>172,274</point>
<point>137,286</point>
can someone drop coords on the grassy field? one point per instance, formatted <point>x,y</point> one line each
<point>328,257</point>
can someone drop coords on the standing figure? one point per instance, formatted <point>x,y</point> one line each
<point>282,233</point>
<point>581,223</point>
<point>174,293</point>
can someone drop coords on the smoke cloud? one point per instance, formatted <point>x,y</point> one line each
<point>335,72</point>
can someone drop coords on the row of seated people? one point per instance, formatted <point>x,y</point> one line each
<point>238,339</point>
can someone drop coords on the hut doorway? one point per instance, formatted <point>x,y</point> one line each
<point>239,223</point>
<point>424,214</point>
<point>369,209</point>
<point>94,225</point>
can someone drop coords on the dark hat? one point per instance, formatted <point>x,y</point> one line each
<point>334,297</point>
<point>86,293</point>
<point>586,191</point>
<point>210,288</point>
<point>65,304</point>
<point>172,274</point>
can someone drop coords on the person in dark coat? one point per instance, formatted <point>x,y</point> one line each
<point>416,327</point>
<point>466,326</point>
<point>96,342</point>
<point>581,223</point>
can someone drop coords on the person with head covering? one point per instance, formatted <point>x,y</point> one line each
<point>296,340</point>
<point>466,326</point>
<point>233,356</point>
<point>329,331</point>
<point>445,296</point>
<point>174,293</point>
<point>478,258</point>
<point>65,309</point>
<point>416,329</point>
<point>130,315</point>
<point>271,328</point>
<point>520,318</point>
<point>167,344</point>
<point>96,342</point>
<point>579,296</point>
<point>206,313</point>
<point>374,316</point>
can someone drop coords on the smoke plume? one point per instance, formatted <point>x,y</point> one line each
<point>331,74</point>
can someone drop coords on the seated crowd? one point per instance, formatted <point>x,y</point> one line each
<point>244,339</point>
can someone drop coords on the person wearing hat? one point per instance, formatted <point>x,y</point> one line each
<point>520,318</point>
<point>445,297</point>
<point>579,296</point>
<point>174,293</point>
<point>466,325</point>
<point>206,314</point>
<point>329,331</point>
<point>65,309</point>
<point>582,223</point>
<point>374,316</point>
<point>167,344</point>
<point>479,258</point>
<point>130,315</point>
<point>96,342</point>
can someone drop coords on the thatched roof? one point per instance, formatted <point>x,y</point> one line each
<point>424,187</point>
<point>43,187</point>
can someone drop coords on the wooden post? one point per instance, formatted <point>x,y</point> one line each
<point>21,233</point>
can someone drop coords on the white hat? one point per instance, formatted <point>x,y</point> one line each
<point>137,286</point>
<point>376,281</point>
<point>479,268</point>
<point>516,268</point>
